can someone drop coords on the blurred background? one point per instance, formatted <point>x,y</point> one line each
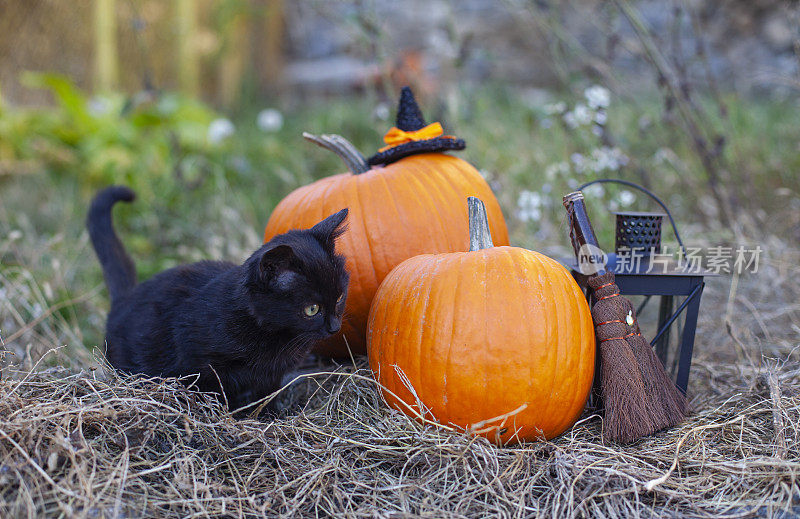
<point>199,105</point>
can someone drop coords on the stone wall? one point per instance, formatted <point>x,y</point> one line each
<point>341,45</point>
<point>747,44</point>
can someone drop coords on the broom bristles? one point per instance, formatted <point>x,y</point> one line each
<point>639,397</point>
<point>672,400</point>
<point>625,399</point>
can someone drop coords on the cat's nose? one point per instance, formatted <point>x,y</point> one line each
<point>334,325</point>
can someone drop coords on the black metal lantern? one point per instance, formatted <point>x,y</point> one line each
<point>638,235</point>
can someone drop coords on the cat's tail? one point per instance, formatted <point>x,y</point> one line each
<point>118,269</point>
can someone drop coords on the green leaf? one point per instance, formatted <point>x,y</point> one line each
<point>68,96</point>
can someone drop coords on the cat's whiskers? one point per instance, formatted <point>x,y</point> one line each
<point>299,343</point>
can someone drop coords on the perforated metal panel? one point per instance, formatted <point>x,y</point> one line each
<point>639,231</point>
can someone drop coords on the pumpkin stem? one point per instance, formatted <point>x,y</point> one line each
<point>351,157</point>
<point>479,235</point>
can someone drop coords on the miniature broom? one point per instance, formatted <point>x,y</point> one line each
<point>639,398</point>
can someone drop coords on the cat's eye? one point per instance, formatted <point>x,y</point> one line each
<point>311,310</point>
<point>340,299</point>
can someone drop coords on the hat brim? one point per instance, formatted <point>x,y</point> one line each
<point>435,145</point>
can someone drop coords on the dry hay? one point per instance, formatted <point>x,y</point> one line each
<point>76,442</point>
<point>80,444</point>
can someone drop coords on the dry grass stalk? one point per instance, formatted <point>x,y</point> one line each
<point>77,443</point>
<point>81,444</point>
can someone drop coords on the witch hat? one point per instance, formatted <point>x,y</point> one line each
<point>412,136</point>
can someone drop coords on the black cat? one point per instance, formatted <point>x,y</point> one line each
<point>239,327</point>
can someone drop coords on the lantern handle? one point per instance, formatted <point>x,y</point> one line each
<point>643,190</point>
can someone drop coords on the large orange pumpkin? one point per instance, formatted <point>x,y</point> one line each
<point>498,341</point>
<point>400,209</point>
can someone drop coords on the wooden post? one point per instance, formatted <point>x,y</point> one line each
<point>105,44</point>
<point>273,51</point>
<point>234,60</point>
<point>267,43</point>
<point>188,65</point>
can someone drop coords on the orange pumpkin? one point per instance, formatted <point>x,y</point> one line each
<point>398,209</point>
<point>498,341</point>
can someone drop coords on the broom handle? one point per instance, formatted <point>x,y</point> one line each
<point>581,232</point>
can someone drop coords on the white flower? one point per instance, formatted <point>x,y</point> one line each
<point>100,105</point>
<point>579,116</point>
<point>569,119</point>
<point>219,130</point>
<point>600,117</point>
<point>555,108</point>
<point>603,159</point>
<point>381,112</point>
<point>597,96</point>
<point>529,198</point>
<point>626,198</point>
<point>166,104</point>
<point>579,161</point>
<point>582,114</point>
<point>528,215</point>
<point>269,120</point>
<point>529,204</point>
<point>595,190</point>
<point>606,158</point>
<point>555,170</point>
<point>665,156</point>
<point>546,123</point>
<point>621,157</point>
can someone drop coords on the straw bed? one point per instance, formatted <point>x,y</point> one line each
<point>73,444</point>
<point>80,442</point>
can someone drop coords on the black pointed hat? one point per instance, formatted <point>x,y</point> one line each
<point>409,119</point>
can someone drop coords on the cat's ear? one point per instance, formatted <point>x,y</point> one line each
<point>274,261</point>
<point>330,228</point>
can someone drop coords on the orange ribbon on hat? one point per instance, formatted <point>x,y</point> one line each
<point>396,136</point>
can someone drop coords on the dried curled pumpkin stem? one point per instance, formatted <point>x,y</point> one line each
<point>351,157</point>
<point>479,235</point>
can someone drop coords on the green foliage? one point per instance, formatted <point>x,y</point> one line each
<point>137,141</point>
<point>169,150</point>
<point>203,197</point>
<point>161,144</point>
